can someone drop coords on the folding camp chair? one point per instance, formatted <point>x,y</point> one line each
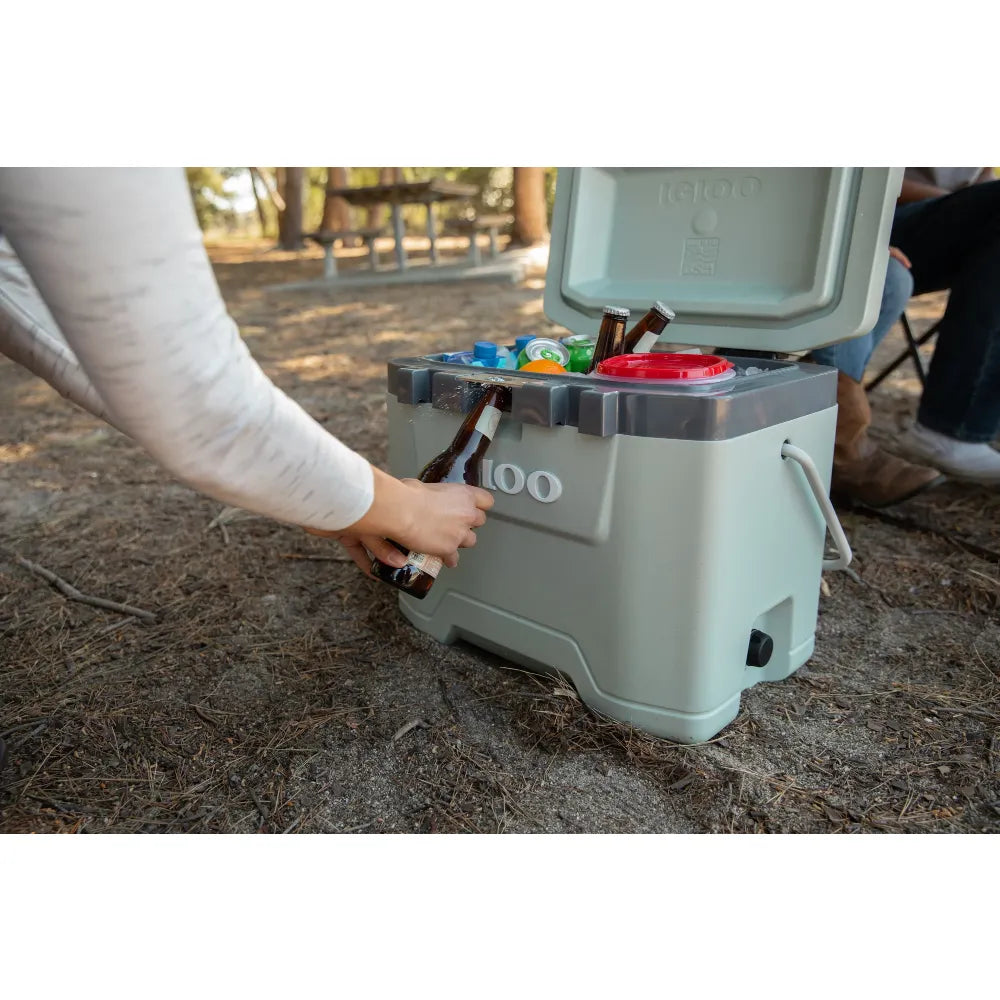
<point>911,352</point>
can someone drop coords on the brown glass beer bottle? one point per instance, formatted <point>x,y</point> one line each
<point>610,335</point>
<point>458,463</point>
<point>642,336</point>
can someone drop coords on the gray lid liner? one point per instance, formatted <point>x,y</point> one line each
<point>603,407</point>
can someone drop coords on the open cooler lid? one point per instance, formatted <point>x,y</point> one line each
<point>770,258</point>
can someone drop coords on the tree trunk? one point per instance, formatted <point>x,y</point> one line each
<point>530,225</point>
<point>376,213</point>
<point>290,220</point>
<point>336,211</point>
<point>260,204</point>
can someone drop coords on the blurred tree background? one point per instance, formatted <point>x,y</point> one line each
<point>251,201</point>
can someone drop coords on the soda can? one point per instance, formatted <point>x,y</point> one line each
<point>581,352</point>
<point>544,348</point>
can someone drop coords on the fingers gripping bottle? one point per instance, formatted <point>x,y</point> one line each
<point>458,463</point>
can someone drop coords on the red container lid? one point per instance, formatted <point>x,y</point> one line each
<point>664,367</point>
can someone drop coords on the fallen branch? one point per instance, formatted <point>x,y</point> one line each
<point>68,590</point>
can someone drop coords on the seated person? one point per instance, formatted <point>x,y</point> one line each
<point>861,470</point>
<point>947,222</point>
<point>945,235</point>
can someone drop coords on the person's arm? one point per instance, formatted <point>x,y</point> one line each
<point>918,191</point>
<point>901,257</point>
<point>118,258</point>
<point>985,176</point>
<point>29,336</point>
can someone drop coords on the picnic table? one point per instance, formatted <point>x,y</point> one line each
<point>327,237</point>
<point>490,224</point>
<point>428,193</point>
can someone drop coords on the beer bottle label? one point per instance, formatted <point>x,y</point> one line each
<point>430,565</point>
<point>646,342</point>
<point>487,422</point>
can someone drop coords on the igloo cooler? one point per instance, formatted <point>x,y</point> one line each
<point>659,541</point>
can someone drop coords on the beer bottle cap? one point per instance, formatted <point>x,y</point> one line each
<point>664,310</point>
<point>617,311</point>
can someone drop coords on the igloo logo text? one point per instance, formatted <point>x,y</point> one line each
<point>710,189</point>
<point>545,487</point>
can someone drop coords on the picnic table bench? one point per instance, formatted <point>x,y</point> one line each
<point>491,224</point>
<point>327,237</point>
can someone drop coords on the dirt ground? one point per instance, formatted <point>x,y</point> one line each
<point>279,691</point>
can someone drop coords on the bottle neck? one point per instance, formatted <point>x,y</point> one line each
<point>609,340</point>
<point>480,424</point>
<point>652,322</point>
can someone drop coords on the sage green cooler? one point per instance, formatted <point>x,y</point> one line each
<point>660,543</point>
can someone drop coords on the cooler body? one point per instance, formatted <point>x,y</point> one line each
<point>648,536</point>
<point>640,535</point>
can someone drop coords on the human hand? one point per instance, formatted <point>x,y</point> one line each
<point>901,257</point>
<point>443,518</point>
<point>434,518</point>
<point>363,548</point>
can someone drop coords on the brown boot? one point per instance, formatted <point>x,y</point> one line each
<point>861,470</point>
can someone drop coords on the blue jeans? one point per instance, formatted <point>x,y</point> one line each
<point>954,243</point>
<point>851,356</point>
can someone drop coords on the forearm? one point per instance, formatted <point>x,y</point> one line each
<point>29,336</point>
<point>918,191</point>
<point>118,258</point>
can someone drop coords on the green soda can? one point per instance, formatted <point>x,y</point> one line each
<point>581,352</point>
<point>544,348</point>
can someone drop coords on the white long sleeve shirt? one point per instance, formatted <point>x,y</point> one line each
<point>112,300</point>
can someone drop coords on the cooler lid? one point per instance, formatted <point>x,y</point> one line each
<point>769,258</point>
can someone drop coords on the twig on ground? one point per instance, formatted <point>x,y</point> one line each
<point>361,826</point>
<point>68,590</point>
<point>403,730</point>
<point>381,819</point>
<point>912,524</point>
<point>205,717</point>
<point>265,813</point>
<point>227,516</point>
